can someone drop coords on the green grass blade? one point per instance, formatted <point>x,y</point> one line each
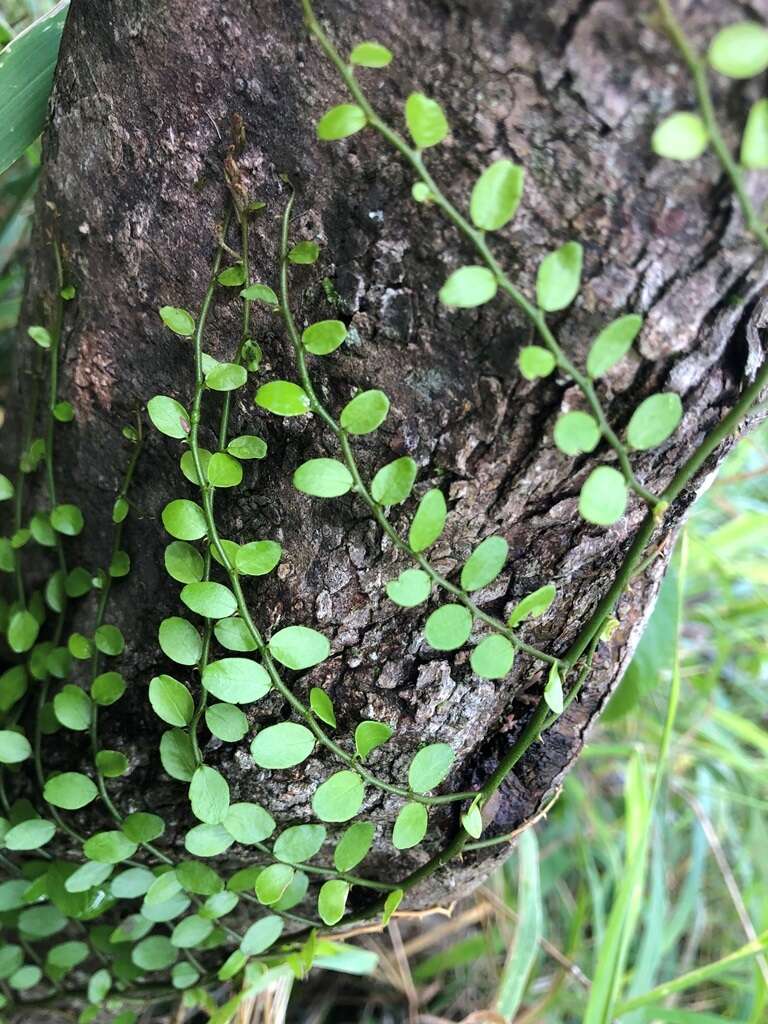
<point>697,976</point>
<point>525,945</point>
<point>26,73</point>
<point>623,918</point>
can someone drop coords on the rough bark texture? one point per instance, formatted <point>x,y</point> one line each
<point>132,182</point>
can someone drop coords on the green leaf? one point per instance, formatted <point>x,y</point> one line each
<point>577,433</point>
<point>171,700</point>
<point>234,635</point>
<point>429,521</point>
<point>603,498</point>
<point>226,722</point>
<point>283,397</point>
<point>236,680</point>
<point>496,195</point>
<point>79,646</point>
<point>493,657</point>
<point>411,587</point>
<point>740,50</point>
<point>553,691</point>
<point>40,336</point>
<point>431,765</point>
<point>249,823</point>
<point>209,795</point>
<point>332,900</point>
<point>212,600</point>
<point>353,846</point>
<point>26,75</point>
<point>304,253</point>
<point>30,835</point>
<point>369,735</point>
<point>322,706</point>
<point>178,320</point>
<point>559,277</point>
<point>681,136</point>
<point>207,840</point>
<point>180,641</point>
<point>22,631</point>
<point>258,557</point>
<point>410,826</point>
<point>67,955</point>
<point>272,882</point>
<point>448,628</point>
<point>324,337</point>
<point>654,420</point>
<point>468,287</point>
<point>323,478</point>
<point>535,361</point>
<point>370,55</point>
<point>14,747</point>
<point>365,413</point>
<point>340,797</point>
<point>425,119</point>
<point>233,276</point>
<point>111,763</point>
<point>224,470</point>
<point>109,847</point>
<point>177,754</point>
<point>341,121</point>
<point>282,746</point>
<point>26,977</point>
<point>107,688</point>
<point>299,843</point>
<point>533,605</point>
<point>70,790</point>
<point>168,416</point>
<point>183,562</point>
<point>472,819</point>
<point>184,520</point>
<point>226,377</point>
<point>248,446</point>
<point>612,344</point>
<point>109,640</point>
<point>155,953</point>
<point>485,563</point>
<point>88,876</point>
<point>191,931</point>
<point>754,142</point>
<point>67,519</point>
<point>72,707</point>
<point>394,482</point>
<point>391,903</point>
<point>142,827</point>
<point>299,647</point>
<point>261,935</point>
<point>63,412</point>
<point>260,293</point>
<point>7,489</point>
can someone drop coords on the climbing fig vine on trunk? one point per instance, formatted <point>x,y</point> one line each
<point>97,914</point>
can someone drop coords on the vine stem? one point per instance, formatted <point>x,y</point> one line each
<point>101,611</point>
<point>359,484</point>
<point>206,492</point>
<point>698,69</point>
<point>477,238</point>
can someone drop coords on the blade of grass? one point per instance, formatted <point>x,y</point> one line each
<point>622,921</point>
<point>26,73</point>
<point>530,924</point>
<point>697,976</point>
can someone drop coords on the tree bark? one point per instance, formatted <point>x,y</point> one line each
<point>132,187</point>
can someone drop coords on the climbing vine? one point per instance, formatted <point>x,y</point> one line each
<point>118,905</point>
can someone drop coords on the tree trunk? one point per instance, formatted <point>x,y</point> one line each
<point>132,186</point>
